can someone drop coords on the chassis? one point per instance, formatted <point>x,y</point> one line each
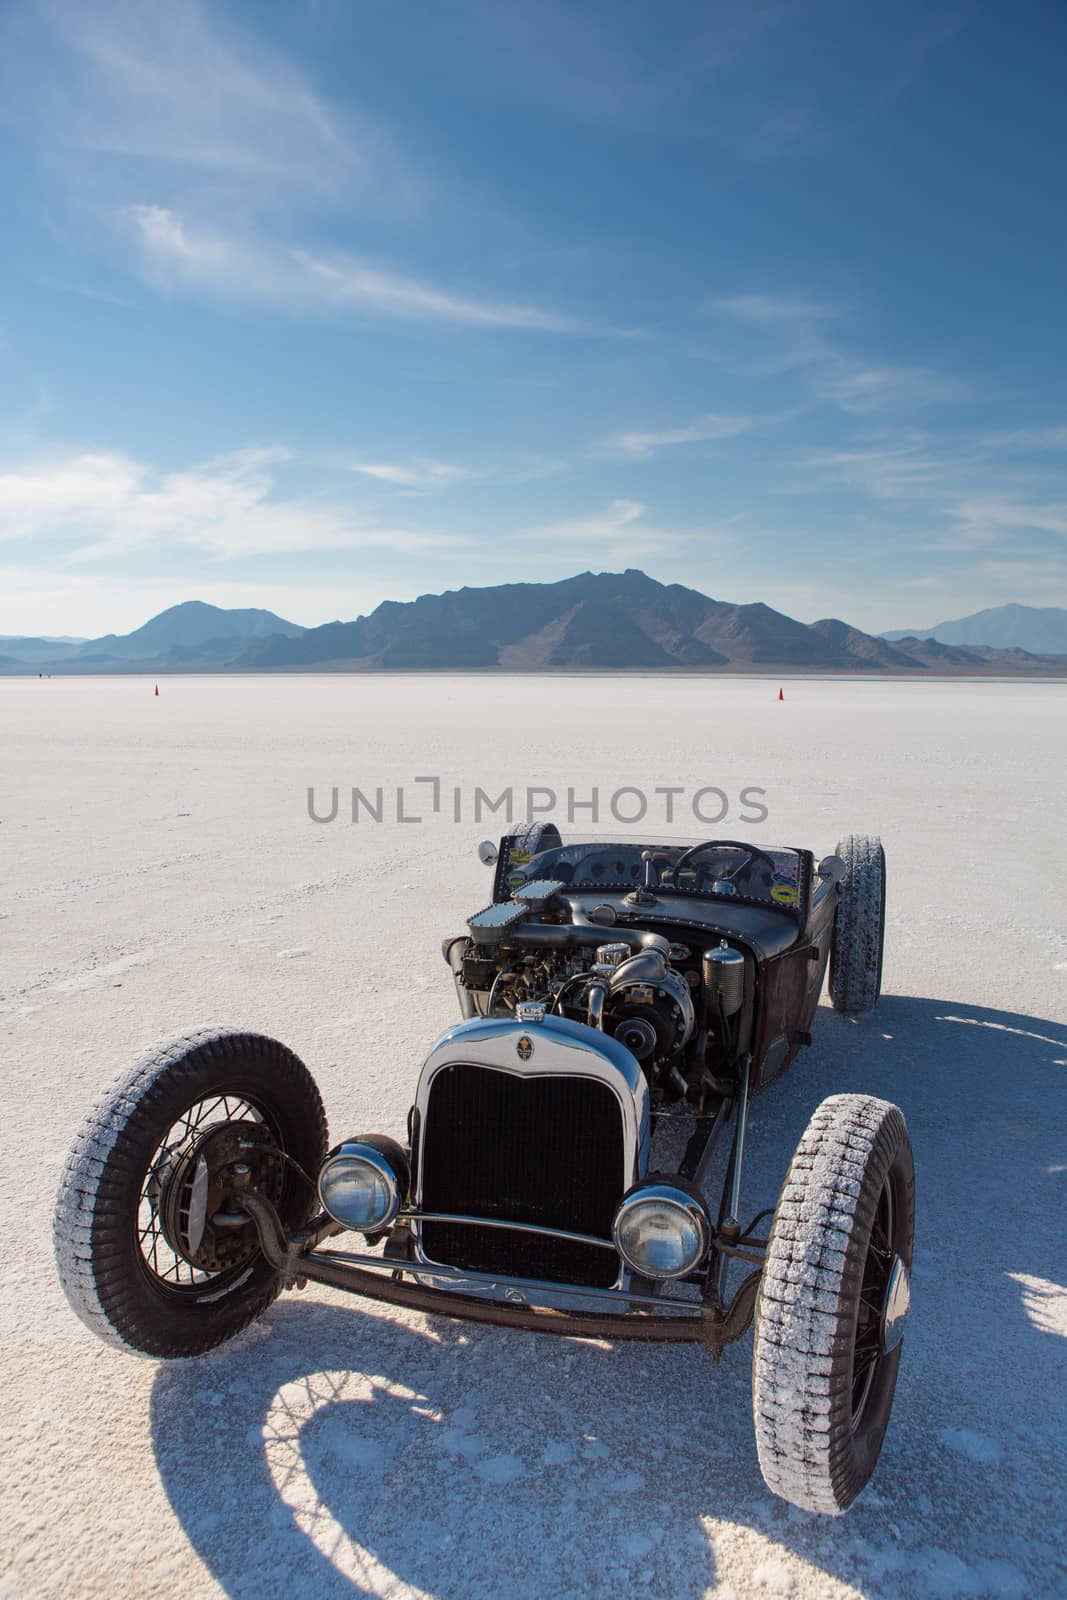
<point>607,989</point>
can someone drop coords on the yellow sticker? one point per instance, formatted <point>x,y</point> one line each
<point>785,894</point>
<point>519,857</point>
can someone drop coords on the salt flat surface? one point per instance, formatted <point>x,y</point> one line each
<point>159,870</point>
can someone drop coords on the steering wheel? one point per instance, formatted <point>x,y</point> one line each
<point>751,851</point>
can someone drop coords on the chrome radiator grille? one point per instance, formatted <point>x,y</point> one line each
<point>541,1150</point>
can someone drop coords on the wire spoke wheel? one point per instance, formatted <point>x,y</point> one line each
<point>868,1348</point>
<point>188,1160</point>
<point>152,1248</point>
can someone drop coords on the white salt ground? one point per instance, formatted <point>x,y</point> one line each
<point>160,871</point>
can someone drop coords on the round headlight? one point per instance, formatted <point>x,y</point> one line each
<point>661,1231</point>
<point>359,1188</point>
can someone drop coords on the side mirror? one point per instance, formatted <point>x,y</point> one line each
<point>487,853</point>
<point>831,867</point>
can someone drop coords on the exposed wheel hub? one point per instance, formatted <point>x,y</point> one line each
<point>895,1306</point>
<point>194,1190</point>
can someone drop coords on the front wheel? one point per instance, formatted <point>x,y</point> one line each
<point>152,1254</point>
<point>832,1304</point>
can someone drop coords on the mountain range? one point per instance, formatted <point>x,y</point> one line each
<point>595,621</point>
<point>189,635</point>
<point>1040,629</point>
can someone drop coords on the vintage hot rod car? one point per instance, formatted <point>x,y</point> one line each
<point>609,992</point>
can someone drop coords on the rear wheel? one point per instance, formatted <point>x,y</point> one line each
<point>858,947</point>
<point>151,1250</point>
<point>832,1304</point>
<point>518,846</point>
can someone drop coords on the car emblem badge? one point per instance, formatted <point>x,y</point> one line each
<point>524,1048</point>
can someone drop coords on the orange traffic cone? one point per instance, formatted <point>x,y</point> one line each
<point>157,690</point>
<point>781,696</point>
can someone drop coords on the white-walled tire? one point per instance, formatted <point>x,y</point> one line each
<point>832,1302</point>
<point>858,948</point>
<point>122,1225</point>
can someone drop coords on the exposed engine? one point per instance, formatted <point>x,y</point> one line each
<point>675,1009</point>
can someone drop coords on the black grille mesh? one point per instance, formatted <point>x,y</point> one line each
<point>538,1150</point>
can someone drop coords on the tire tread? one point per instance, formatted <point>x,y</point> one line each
<point>859,926</point>
<point>806,1308</point>
<point>91,1236</point>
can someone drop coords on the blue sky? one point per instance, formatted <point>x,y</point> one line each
<point>308,305</point>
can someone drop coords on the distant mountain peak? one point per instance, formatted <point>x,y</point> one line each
<point>1039,630</point>
<point>191,633</point>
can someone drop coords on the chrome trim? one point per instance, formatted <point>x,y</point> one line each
<point>640,966</point>
<point>896,1307</point>
<point>512,1227</point>
<point>739,1150</point>
<point>357,1150</point>
<point>663,1193</point>
<point>650,966</point>
<point>595,1002</point>
<point>580,931</point>
<point>564,1049</point>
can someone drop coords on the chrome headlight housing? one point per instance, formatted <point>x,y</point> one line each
<point>661,1231</point>
<point>362,1183</point>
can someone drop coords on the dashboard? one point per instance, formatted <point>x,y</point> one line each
<point>719,869</point>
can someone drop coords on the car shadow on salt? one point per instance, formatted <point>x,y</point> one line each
<point>339,1449</point>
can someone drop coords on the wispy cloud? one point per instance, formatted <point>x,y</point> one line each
<point>606,524</point>
<point>349,281</point>
<point>997,516</point>
<point>416,475</point>
<point>951,502</point>
<point>790,333</point>
<point>905,471</point>
<point>858,387</point>
<point>1044,575</point>
<point>771,308</point>
<point>87,291</point>
<point>621,531</point>
<point>186,88</point>
<point>769,335</point>
<point>1023,440</point>
<point>706,80</point>
<point>100,505</point>
<point>704,430</point>
<point>175,254</point>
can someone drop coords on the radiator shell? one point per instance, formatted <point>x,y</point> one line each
<point>544,1124</point>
